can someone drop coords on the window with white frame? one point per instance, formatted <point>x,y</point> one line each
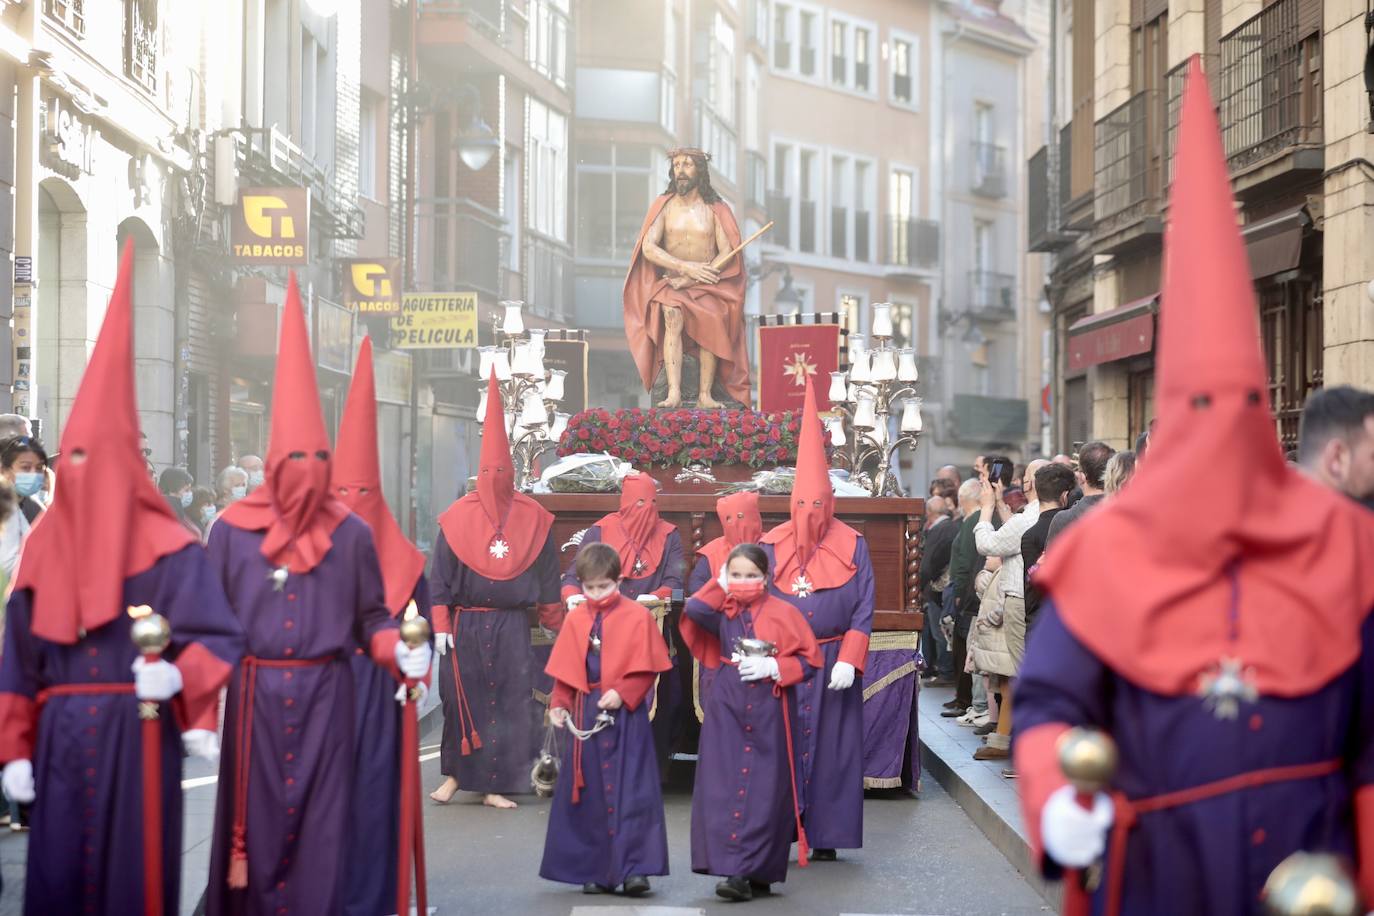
<point>367,145</point>
<point>839,52</point>
<point>750,103</point>
<point>863,210</point>
<point>784,36</point>
<point>546,39</point>
<point>808,187</point>
<point>901,211</point>
<point>982,246</point>
<point>841,197</point>
<point>863,57</point>
<point>758,21</point>
<point>904,69</point>
<point>808,39</point>
<point>721,89</point>
<point>903,324</point>
<point>547,149</point>
<point>615,183</point>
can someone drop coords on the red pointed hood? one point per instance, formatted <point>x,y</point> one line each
<point>107,516</point>
<point>294,505</point>
<point>636,531</point>
<point>813,545</point>
<point>1212,559</point>
<point>741,523</point>
<point>358,485</point>
<point>496,531</point>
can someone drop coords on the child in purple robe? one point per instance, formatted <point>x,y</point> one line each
<point>608,829</point>
<point>745,805</point>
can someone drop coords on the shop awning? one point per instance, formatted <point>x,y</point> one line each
<point>1275,244</point>
<point>1127,330</point>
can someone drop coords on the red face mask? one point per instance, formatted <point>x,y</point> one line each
<point>747,591</point>
<point>605,602</point>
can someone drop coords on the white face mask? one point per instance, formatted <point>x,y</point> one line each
<point>186,499</point>
<point>238,492</point>
<point>207,514</point>
<point>255,479</point>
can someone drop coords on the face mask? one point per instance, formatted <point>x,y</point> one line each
<point>605,602</point>
<point>27,483</point>
<point>207,514</point>
<point>255,478</point>
<point>238,492</point>
<point>747,590</point>
<point>186,499</point>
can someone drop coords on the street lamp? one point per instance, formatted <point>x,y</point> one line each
<point>477,142</point>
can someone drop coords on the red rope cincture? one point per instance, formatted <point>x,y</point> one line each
<point>1128,811</point>
<point>467,725</point>
<point>238,850</point>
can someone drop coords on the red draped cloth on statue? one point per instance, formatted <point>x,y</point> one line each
<point>713,316</point>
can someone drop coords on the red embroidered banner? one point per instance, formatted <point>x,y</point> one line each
<point>788,356</point>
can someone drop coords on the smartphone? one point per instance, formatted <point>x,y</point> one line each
<point>995,471</point>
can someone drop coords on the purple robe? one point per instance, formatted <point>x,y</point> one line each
<point>831,722</point>
<point>743,823</point>
<point>301,767</point>
<point>494,658</point>
<point>374,817</point>
<point>668,700</point>
<point>1217,853</point>
<point>85,851</point>
<point>616,829</point>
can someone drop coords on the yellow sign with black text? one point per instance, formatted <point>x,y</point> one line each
<point>372,285</point>
<point>271,226</point>
<point>435,321</point>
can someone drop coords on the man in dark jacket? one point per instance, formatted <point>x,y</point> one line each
<point>934,576</point>
<point>1052,485</point>
<point>961,603</point>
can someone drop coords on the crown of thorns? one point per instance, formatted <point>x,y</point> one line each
<point>689,151</point>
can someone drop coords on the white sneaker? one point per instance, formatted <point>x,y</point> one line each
<point>967,717</point>
<point>981,719</point>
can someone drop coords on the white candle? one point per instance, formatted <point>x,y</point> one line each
<point>865,412</point>
<point>554,391</point>
<point>884,366</point>
<point>838,388</point>
<point>533,415</point>
<point>835,425</point>
<point>501,364</point>
<point>485,359</point>
<point>911,415</point>
<point>906,365</point>
<point>882,319</point>
<point>856,345</point>
<point>522,363</point>
<point>512,323</point>
<point>859,368</point>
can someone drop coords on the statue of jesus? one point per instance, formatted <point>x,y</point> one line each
<point>675,300</point>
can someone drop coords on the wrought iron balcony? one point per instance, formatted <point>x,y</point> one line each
<point>1127,166</point>
<point>1048,194</point>
<point>989,170</point>
<point>992,296</point>
<point>142,42</point>
<point>487,14</point>
<point>268,156</point>
<point>465,244</point>
<point>70,14</point>
<point>913,244</point>
<point>1270,86</point>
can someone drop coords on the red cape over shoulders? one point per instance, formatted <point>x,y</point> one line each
<point>630,644</point>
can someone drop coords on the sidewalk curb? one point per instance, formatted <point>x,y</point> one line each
<point>1004,831</point>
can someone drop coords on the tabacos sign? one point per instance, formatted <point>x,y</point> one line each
<point>271,226</point>
<point>372,285</point>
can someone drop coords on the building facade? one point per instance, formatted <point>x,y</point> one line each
<point>1287,79</point>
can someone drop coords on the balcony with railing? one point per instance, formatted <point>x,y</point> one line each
<point>1271,91</point>
<point>269,157</point>
<point>989,169</point>
<point>1049,172</point>
<point>1127,173</point>
<point>462,242</point>
<point>70,14</point>
<point>992,296</point>
<point>755,180</point>
<point>488,15</point>
<point>913,245</point>
<point>780,212</point>
<point>142,42</point>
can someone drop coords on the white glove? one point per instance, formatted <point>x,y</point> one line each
<point>18,781</point>
<point>574,600</point>
<point>756,668</point>
<point>159,680</point>
<point>414,662</point>
<point>1074,836</point>
<point>201,742</point>
<point>442,642</point>
<point>421,691</point>
<point>842,676</point>
<point>723,580</point>
<point>647,599</point>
